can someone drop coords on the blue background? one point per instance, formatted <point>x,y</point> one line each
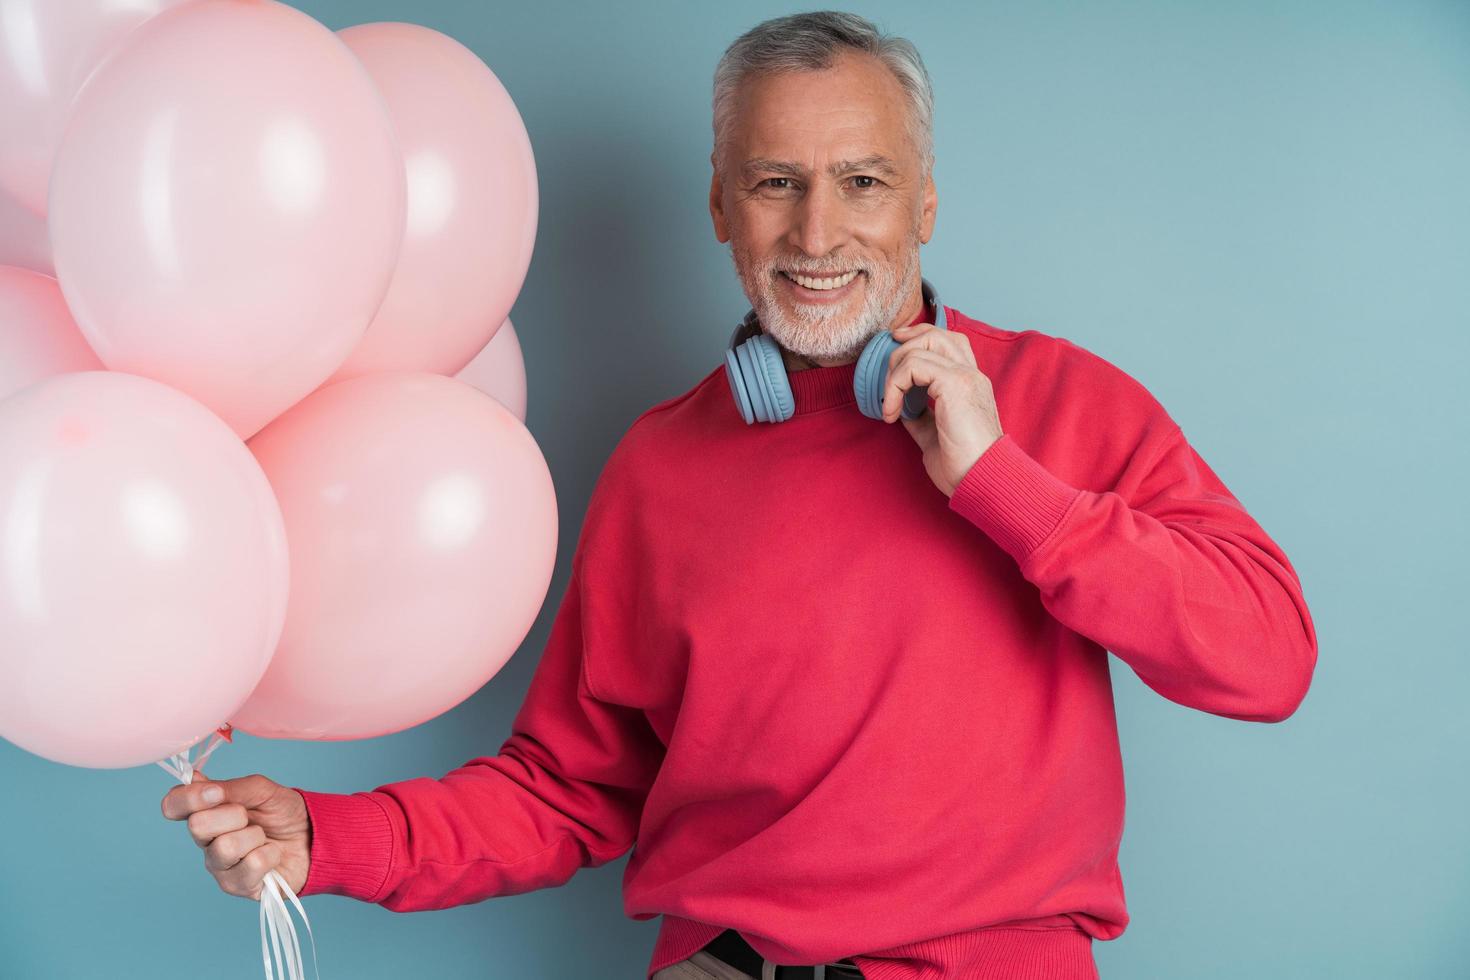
<point>1258,210</point>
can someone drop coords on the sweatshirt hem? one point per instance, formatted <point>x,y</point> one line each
<point>1009,951</point>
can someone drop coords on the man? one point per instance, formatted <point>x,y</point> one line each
<point>844,689</point>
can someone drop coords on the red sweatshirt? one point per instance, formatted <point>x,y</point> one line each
<point>841,713</point>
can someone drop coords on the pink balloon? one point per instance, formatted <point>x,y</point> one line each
<point>47,50</point>
<point>227,205</point>
<point>38,337</point>
<point>143,570</point>
<point>423,525</point>
<point>500,371</point>
<point>24,241</point>
<point>472,201</point>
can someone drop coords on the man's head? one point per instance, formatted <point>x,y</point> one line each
<point>823,164</point>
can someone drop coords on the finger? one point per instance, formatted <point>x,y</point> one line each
<point>206,825</point>
<point>912,328</point>
<point>227,850</point>
<point>890,398</point>
<point>248,791</point>
<point>936,343</point>
<point>181,801</point>
<point>248,874</point>
<point>916,367</point>
<point>948,341</point>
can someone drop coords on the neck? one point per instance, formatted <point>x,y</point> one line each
<point>800,362</point>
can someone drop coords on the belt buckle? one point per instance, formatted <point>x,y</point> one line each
<point>768,971</point>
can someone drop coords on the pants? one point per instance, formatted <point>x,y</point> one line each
<point>703,966</point>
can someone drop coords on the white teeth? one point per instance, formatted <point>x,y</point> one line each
<point>830,283</point>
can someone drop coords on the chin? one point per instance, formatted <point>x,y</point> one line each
<point>820,342</point>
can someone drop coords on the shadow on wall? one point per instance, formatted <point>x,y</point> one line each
<point>615,288</point>
<point>605,301</point>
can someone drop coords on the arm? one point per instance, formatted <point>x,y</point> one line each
<point>1167,571</point>
<point>566,791</point>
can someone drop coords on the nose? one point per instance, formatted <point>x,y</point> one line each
<point>820,222</point>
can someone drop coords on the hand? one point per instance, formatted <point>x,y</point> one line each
<point>254,827</point>
<point>963,421</point>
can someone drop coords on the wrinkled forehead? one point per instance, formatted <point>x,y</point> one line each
<point>853,111</point>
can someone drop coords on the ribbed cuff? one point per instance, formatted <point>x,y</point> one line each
<point>1012,498</point>
<point>351,845</point>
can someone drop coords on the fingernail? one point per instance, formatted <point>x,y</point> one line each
<point>212,794</point>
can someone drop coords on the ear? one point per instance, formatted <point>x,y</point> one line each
<point>931,204</point>
<point>717,203</point>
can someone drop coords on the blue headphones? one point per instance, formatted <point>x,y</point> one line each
<point>757,375</point>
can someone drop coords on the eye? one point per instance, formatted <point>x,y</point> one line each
<point>767,182</point>
<point>866,186</point>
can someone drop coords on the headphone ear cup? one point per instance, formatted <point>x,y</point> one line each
<point>754,388</point>
<point>871,374</point>
<point>737,386</point>
<point>780,403</point>
<point>757,377</point>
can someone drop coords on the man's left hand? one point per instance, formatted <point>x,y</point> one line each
<point>962,421</point>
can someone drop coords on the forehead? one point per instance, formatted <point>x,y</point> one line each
<point>854,108</point>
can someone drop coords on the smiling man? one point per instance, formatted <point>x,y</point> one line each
<point>823,187</point>
<point>841,685</point>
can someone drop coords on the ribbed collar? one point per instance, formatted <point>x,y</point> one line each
<point>813,389</point>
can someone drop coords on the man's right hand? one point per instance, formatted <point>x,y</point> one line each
<point>254,825</point>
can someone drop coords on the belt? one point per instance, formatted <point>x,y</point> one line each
<point>731,947</point>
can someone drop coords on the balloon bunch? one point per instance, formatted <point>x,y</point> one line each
<point>263,464</point>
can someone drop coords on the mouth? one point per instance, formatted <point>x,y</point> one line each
<point>821,289</point>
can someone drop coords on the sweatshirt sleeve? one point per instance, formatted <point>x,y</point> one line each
<point>1167,571</point>
<point>566,791</point>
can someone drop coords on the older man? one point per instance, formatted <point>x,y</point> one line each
<point>843,688</point>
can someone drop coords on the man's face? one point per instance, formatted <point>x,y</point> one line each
<point>821,178</point>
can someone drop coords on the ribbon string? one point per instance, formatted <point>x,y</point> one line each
<point>278,939</point>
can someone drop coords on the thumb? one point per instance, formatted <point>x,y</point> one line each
<point>252,792</point>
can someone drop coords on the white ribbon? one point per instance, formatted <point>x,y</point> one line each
<point>278,938</point>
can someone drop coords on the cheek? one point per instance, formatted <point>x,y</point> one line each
<point>885,230</point>
<point>763,223</point>
<point>758,235</point>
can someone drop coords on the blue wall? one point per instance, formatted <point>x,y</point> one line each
<point>1258,210</point>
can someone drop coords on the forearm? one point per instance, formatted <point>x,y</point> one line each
<point>566,791</point>
<point>499,825</point>
<point>1187,589</point>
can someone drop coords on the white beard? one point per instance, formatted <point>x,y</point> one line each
<point>821,332</point>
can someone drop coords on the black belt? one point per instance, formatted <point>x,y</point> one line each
<point>733,949</point>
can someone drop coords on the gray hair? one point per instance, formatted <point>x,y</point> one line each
<point>810,42</point>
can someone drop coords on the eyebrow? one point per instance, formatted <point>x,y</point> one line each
<point>786,168</point>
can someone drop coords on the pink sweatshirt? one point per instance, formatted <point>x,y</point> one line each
<point>841,713</point>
